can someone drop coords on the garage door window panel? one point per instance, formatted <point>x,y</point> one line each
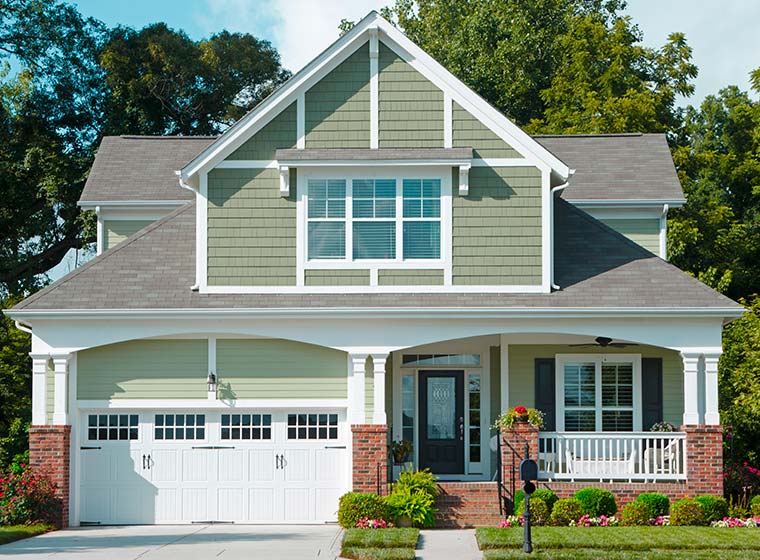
<point>312,426</point>
<point>247,427</point>
<point>112,427</point>
<point>169,427</point>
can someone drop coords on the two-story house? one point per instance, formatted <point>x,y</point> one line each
<point>374,253</point>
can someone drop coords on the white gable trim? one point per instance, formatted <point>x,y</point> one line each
<point>337,53</point>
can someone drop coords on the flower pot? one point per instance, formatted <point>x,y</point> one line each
<point>398,468</point>
<point>403,522</point>
<point>522,419</point>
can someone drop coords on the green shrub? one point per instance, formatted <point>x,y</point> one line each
<point>597,502</point>
<point>28,497</point>
<point>539,511</point>
<point>687,512</point>
<point>354,506</point>
<point>754,506</point>
<point>549,497</point>
<point>566,511</point>
<point>657,504</point>
<point>417,481</point>
<point>636,513</point>
<point>417,506</point>
<point>715,507</point>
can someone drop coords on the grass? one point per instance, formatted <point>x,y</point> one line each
<point>623,543</point>
<point>18,532</point>
<point>380,544</point>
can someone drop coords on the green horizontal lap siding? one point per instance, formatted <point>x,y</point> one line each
<point>522,373</point>
<point>345,277</point>
<point>280,132</point>
<point>281,369</point>
<point>144,369</point>
<point>420,277</point>
<point>251,229</point>
<point>116,231</point>
<point>338,107</point>
<point>497,228</point>
<point>469,132</point>
<point>410,107</point>
<point>644,231</point>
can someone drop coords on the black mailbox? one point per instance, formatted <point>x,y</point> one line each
<point>528,469</point>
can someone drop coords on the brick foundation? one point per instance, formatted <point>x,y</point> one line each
<point>467,504</point>
<point>704,464</point>
<point>370,458</point>
<point>50,452</point>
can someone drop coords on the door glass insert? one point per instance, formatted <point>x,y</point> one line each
<point>441,404</point>
<point>474,396</point>
<point>246,426</point>
<point>112,427</point>
<point>407,407</point>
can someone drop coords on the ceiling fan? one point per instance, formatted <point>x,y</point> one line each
<point>605,342</point>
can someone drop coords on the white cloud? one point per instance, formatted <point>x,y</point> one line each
<point>299,29</point>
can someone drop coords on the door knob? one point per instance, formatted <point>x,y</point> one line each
<point>461,428</point>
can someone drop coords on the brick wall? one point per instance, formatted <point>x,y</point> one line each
<point>467,504</point>
<point>370,457</point>
<point>50,453</point>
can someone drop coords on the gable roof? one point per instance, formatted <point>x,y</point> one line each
<point>140,168</point>
<point>155,268</point>
<point>344,46</point>
<point>617,166</point>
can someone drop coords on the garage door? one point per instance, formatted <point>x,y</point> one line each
<point>182,467</point>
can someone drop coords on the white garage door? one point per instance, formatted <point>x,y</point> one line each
<point>182,467</point>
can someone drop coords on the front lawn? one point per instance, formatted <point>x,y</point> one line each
<point>622,543</point>
<point>380,544</point>
<point>18,532</point>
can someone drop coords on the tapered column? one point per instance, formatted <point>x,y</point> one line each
<point>690,388</point>
<point>378,382</point>
<point>357,413</point>
<point>61,401</point>
<point>39,389</point>
<point>712,416</point>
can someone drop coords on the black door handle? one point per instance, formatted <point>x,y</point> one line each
<point>143,461</point>
<point>276,462</point>
<point>149,461</point>
<point>283,462</point>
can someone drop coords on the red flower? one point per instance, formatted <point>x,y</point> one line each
<point>521,410</point>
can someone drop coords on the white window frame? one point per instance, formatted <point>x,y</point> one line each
<point>598,360</point>
<point>443,173</point>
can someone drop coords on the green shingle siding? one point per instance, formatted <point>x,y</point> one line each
<point>116,231</point>
<point>346,277</point>
<point>644,231</point>
<point>251,229</point>
<point>469,132</point>
<point>280,369</point>
<point>422,277</point>
<point>144,369</point>
<point>497,228</point>
<point>280,132</point>
<point>410,107</point>
<point>338,107</point>
<point>521,373</point>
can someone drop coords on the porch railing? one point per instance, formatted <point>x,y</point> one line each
<point>622,456</point>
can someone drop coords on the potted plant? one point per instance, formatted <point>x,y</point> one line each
<point>401,452</point>
<point>520,414</point>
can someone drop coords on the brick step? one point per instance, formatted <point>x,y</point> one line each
<point>468,504</point>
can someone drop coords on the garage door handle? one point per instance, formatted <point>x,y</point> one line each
<point>335,446</point>
<point>276,462</point>
<point>214,447</point>
<point>143,461</point>
<point>85,447</point>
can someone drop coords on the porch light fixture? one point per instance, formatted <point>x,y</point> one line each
<point>211,382</point>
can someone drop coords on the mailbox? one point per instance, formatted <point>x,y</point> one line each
<point>529,488</point>
<point>528,470</point>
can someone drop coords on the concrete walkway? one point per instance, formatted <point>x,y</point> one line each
<point>448,544</point>
<point>181,542</point>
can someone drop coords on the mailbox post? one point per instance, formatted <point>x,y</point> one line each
<point>528,473</point>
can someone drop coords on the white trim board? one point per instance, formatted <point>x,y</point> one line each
<point>194,404</point>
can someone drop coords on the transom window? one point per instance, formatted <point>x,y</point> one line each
<point>380,219</point>
<point>417,360</point>
<point>599,393</point>
<point>312,426</point>
<point>247,426</point>
<point>179,426</point>
<point>112,427</point>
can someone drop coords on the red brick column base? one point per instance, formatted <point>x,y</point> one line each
<point>370,458</point>
<point>513,442</point>
<point>704,459</point>
<point>50,453</point>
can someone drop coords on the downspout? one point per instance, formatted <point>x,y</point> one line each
<point>23,327</point>
<point>664,232</point>
<point>551,223</point>
<point>182,184</point>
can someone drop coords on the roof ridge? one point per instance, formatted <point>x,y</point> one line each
<point>165,137</point>
<point>103,256</point>
<point>597,135</point>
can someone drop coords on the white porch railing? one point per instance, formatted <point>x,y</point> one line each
<point>626,456</point>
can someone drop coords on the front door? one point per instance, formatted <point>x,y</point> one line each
<point>442,421</point>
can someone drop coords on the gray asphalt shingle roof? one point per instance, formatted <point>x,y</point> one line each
<point>617,166</point>
<point>595,266</point>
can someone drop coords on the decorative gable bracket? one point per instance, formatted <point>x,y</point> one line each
<point>284,181</point>
<point>464,179</point>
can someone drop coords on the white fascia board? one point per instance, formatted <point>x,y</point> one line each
<point>388,312</point>
<point>626,203</point>
<point>374,162</point>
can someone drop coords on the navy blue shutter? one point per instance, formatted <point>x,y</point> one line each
<point>651,391</point>
<point>545,400</point>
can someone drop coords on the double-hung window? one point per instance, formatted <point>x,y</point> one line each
<point>599,393</point>
<point>374,218</point>
<point>422,219</point>
<point>327,219</point>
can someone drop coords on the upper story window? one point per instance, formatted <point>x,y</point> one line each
<point>377,219</point>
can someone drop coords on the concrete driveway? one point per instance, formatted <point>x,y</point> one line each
<point>182,542</point>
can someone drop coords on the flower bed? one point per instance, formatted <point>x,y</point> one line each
<point>751,522</point>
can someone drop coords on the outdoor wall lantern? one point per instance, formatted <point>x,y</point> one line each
<point>211,382</point>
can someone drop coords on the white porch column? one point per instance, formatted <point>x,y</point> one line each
<point>712,416</point>
<point>61,369</point>
<point>39,389</point>
<point>504,370</point>
<point>378,382</point>
<point>690,387</point>
<point>357,414</point>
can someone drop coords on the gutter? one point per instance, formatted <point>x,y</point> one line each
<point>551,225</point>
<point>196,192</point>
<point>23,327</point>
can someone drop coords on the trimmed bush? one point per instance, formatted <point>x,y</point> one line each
<point>636,514</point>
<point>566,511</point>
<point>687,512</point>
<point>417,481</point>
<point>539,511</point>
<point>597,502</point>
<point>754,506</point>
<point>28,497</point>
<point>715,507</point>
<point>354,506</point>
<point>549,497</point>
<point>657,504</point>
